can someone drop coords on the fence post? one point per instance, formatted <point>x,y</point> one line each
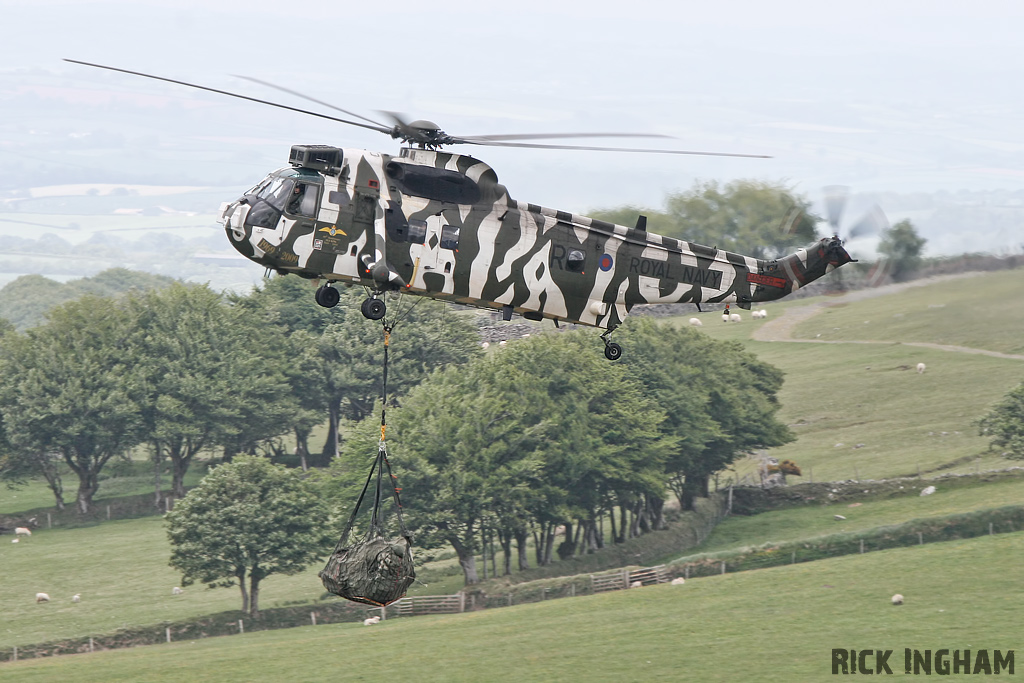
<point>168,634</point>
<point>15,653</point>
<point>862,546</point>
<point>686,572</point>
<point>510,597</point>
<point>383,614</point>
<point>572,590</point>
<point>990,528</point>
<point>312,617</point>
<point>723,566</point>
<point>49,521</point>
<point>90,644</point>
<point>462,601</point>
<point>544,593</point>
<point>920,538</point>
<point>108,513</point>
<point>241,627</point>
<point>793,558</point>
<point>728,510</point>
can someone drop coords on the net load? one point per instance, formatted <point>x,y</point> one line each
<point>378,569</point>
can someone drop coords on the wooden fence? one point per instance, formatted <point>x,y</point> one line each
<point>431,604</point>
<point>624,578</point>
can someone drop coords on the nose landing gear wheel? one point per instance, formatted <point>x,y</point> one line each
<point>374,309</point>
<point>327,296</point>
<point>612,351</point>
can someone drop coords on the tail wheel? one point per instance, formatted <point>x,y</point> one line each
<point>327,296</point>
<point>374,309</point>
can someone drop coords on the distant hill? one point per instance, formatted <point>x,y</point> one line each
<point>26,300</point>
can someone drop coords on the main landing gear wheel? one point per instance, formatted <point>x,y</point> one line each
<point>612,351</point>
<point>327,296</point>
<point>374,309</point>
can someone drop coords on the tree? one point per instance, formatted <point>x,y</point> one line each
<point>902,246</point>
<point>211,375</point>
<point>721,400</point>
<point>246,520</point>
<point>1005,424</point>
<point>542,431</point>
<point>68,389</point>
<point>756,218</point>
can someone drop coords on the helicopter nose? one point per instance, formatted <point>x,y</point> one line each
<point>232,217</point>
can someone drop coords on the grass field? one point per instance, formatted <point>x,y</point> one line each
<point>775,624</point>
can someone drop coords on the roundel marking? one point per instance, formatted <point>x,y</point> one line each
<point>606,262</point>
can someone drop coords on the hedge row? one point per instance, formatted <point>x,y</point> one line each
<point>915,532</point>
<point>220,624</point>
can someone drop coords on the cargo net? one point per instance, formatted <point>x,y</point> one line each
<point>378,569</point>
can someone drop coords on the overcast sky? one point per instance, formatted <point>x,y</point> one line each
<point>898,95</point>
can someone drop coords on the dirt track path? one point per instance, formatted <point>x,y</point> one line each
<point>781,329</point>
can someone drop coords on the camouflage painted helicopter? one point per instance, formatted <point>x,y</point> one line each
<point>438,224</point>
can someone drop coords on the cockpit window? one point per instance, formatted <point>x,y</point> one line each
<point>277,192</point>
<point>303,200</point>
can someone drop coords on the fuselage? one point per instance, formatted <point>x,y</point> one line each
<point>440,225</point>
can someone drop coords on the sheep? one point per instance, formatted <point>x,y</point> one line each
<point>928,490</point>
<point>176,591</point>
<point>725,317</point>
<point>42,597</point>
<point>15,540</point>
<point>897,599</point>
<point>920,368</point>
<point>485,345</point>
<point>678,581</point>
<point>759,314</point>
<point>838,518</point>
<point>77,597</point>
<point>636,584</point>
<point>735,317</point>
<point>22,531</point>
<point>695,322</point>
<point>371,621</point>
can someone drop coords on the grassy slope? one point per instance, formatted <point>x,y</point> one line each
<point>982,312</point>
<point>776,624</point>
<point>869,394</point>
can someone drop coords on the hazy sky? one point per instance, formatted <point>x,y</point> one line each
<point>897,95</point>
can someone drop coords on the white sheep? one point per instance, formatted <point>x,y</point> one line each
<point>678,581</point>
<point>15,540</point>
<point>928,490</point>
<point>77,597</point>
<point>485,345</point>
<point>371,621</point>
<point>725,317</point>
<point>22,531</point>
<point>759,314</point>
<point>920,368</point>
<point>176,591</point>
<point>735,317</point>
<point>897,599</point>
<point>764,313</point>
<point>636,584</point>
<point>838,518</point>
<point>696,322</point>
<point>42,597</point>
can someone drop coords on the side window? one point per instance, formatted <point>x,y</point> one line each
<point>417,231</point>
<point>302,201</point>
<point>575,259</point>
<point>450,237</point>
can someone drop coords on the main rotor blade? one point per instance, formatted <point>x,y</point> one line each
<point>616,149</point>
<point>307,97</point>
<point>377,128</point>
<point>484,139</point>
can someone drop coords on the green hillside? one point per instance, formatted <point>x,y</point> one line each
<point>771,625</point>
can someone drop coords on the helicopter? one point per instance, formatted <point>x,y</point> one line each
<point>438,224</point>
